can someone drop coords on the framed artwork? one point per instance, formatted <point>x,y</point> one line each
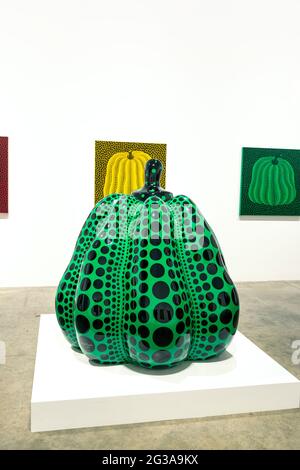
<point>270,182</point>
<point>4,175</point>
<point>119,166</point>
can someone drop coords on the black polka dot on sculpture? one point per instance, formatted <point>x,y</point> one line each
<point>234,297</point>
<point>162,336</point>
<point>161,356</point>
<point>88,269</point>
<point>85,284</point>
<point>224,299</point>
<point>224,333</point>
<point>143,331</point>
<point>96,310</point>
<point>143,316</point>
<point>144,345</point>
<point>155,254</point>
<point>82,324</point>
<point>226,316</point>
<point>86,343</point>
<point>92,255</point>
<point>97,296</point>
<point>180,327</point>
<point>163,312</point>
<point>83,302</point>
<point>208,255</point>
<point>217,283</point>
<point>236,319</point>
<point>144,301</point>
<point>161,290</point>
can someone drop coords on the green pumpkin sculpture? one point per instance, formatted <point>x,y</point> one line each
<point>272,182</point>
<point>147,283</point>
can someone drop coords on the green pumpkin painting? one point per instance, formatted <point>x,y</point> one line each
<point>270,182</point>
<point>147,283</point>
<point>273,182</point>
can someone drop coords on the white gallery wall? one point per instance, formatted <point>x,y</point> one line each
<point>204,77</point>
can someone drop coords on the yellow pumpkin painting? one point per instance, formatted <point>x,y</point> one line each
<point>125,172</point>
<point>120,166</point>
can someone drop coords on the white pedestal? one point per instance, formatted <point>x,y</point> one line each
<point>70,393</point>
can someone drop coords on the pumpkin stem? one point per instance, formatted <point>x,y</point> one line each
<point>152,187</point>
<point>130,156</point>
<point>275,160</point>
<point>153,171</point>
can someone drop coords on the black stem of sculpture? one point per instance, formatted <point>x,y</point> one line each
<point>152,187</point>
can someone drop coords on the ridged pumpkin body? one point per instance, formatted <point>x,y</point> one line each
<point>272,182</point>
<point>147,284</point>
<point>125,172</point>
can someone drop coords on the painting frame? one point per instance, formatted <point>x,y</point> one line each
<point>4,175</point>
<point>264,199</point>
<point>105,150</point>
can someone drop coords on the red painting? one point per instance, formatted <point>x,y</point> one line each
<point>3,175</point>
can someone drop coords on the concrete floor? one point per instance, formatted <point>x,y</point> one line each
<point>270,316</point>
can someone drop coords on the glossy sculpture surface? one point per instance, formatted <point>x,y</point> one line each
<point>147,282</point>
